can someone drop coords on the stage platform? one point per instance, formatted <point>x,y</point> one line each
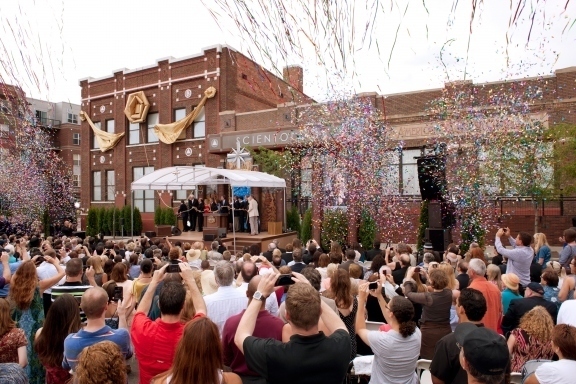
<point>242,239</point>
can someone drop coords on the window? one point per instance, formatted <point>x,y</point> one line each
<point>180,113</point>
<point>182,194</point>
<point>392,173</point>
<point>41,117</point>
<point>97,186</point>
<point>76,170</point>
<point>409,173</point>
<point>75,139</point>
<point>152,121</point>
<point>95,144</point>
<point>143,200</point>
<point>110,186</point>
<point>110,126</point>
<point>200,125</point>
<point>72,118</point>
<point>306,178</point>
<point>134,135</point>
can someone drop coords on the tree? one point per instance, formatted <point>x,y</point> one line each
<point>366,230</point>
<point>306,231</point>
<point>334,228</point>
<point>293,219</point>
<point>562,135</point>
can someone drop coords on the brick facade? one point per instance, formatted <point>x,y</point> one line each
<point>242,86</point>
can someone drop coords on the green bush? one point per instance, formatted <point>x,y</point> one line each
<point>334,228</point>
<point>422,225</point>
<point>137,222</point>
<point>472,231</point>
<point>127,215</point>
<point>158,215</point>
<point>169,217</point>
<point>92,222</point>
<point>366,230</point>
<point>306,229</point>
<point>293,219</point>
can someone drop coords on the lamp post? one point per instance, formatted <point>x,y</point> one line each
<point>77,206</point>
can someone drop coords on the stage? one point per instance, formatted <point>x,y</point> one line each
<point>242,239</point>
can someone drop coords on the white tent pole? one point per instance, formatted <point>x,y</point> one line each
<point>233,226</point>
<point>285,209</point>
<point>132,213</point>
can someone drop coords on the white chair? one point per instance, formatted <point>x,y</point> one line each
<point>515,378</point>
<point>423,371</point>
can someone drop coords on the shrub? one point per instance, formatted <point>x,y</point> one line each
<point>92,222</point>
<point>306,229</point>
<point>293,219</point>
<point>366,230</point>
<point>334,228</point>
<point>423,224</point>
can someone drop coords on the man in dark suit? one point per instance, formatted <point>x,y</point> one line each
<point>243,215</point>
<point>298,265</point>
<point>287,256</point>
<point>193,211</point>
<point>350,256</point>
<point>371,254</point>
<point>533,296</point>
<point>236,205</point>
<point>183,213</point>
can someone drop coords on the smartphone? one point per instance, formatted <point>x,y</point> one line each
<point>284,280</point>
<point>118,293</point>
<point>373,286</point>
<point>417,270</point>
<point>173,268</point>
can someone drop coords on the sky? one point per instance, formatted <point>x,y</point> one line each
<point>48,45</point>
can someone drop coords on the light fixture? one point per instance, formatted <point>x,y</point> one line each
<point>77,205</point>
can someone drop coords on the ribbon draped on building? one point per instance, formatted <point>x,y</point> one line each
<point>105,140</point>
<point>169,133</point>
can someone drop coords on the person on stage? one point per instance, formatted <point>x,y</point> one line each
<point>183,213</point>
<point>237,213</point>
<point>200,214</point>
<point>193,211</point>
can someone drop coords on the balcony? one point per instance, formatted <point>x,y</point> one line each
<point>46,123</point>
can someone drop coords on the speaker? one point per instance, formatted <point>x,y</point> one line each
<point>432,177</point>
<point>440,238</point>
<point>209,237</point>
<point>222,232</point>
<point>435,215</point>
<point>150,234</point>
<point>175,231</point>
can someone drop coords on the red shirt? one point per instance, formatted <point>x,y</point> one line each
<point>493,297</point>
<point>267,326</point>
<point>155,344</point>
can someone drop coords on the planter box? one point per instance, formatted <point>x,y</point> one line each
<point>274,227</point>
<point>163,230</point>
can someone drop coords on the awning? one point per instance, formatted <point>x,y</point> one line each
<point>179,178</point>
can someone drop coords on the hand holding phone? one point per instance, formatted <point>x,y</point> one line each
<point>173,268</point>
<point>373,286</point>
<point>284,280</point>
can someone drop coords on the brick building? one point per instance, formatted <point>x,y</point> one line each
<point>412,122</point>
<point>173,88</point>
<point>58,120</point>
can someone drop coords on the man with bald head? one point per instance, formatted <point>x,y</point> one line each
<point>248,272</point>
<point>94,304</point>
<point>267,326</point>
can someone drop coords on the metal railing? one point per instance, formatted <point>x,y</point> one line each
<point>45,122</point>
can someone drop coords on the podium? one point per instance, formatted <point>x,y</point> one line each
<point>215,224</point>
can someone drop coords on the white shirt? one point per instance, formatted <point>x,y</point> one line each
<point>46,271</point>
<point>556,372</point>
<point>271,301</point>
<point>224,303</point>
<point>567,313</point>
<point>395,357</point>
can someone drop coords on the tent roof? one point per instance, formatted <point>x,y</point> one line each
<point>177,178</point>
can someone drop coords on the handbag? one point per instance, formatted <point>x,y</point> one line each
<point>530,367</point>
<point>113,322</point>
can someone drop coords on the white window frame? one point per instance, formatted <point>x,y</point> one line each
<point>143,200</point>
<point>96,186</point>
<point>152,120</point>
<point>76,138</point>
<point>199,125</point>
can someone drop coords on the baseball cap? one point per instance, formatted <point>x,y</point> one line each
<point>483,348</point>
<point>536,288</point>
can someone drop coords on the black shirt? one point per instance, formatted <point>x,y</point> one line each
<point>313,359</point>
<point>398,274</point>
<point>464,280</point>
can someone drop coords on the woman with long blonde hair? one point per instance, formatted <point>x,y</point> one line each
<point>494,275</point>
<point>28,309</point>
<point>542,253</point>
<point>532,339</point>
<point>453,283</point>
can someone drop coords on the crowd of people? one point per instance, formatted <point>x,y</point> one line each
<point>74,310</point>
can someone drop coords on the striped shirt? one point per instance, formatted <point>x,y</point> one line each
<point>76,342</point>
<point>75,289</point>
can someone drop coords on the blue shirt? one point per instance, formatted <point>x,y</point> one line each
<point>551,294</point>
<point>507,296</point>
<point>76,342</point>
<point>13,268</point>
<point>543,253</point>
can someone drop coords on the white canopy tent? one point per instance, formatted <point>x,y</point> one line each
<point>183,177</point>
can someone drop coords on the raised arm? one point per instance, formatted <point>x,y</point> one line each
<point>6,268</point>
<point>146,302</point>
<point>197,300</point>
